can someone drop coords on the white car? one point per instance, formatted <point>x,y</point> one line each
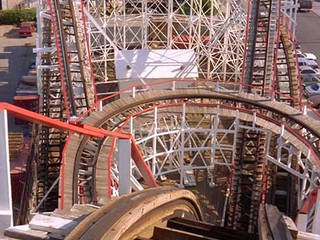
<point>312,90</point>
<point>308,74</point>
<point>309,56</point>
<point>307,62</point>
<point>308,70</point>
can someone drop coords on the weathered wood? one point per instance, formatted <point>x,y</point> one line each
<point>276,223</point>
<point>52,224</point>
<point>25,232</point>
<point>264,231</point>
<point>291,226</point>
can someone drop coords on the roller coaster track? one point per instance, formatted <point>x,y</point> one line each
<point>81,149</point>
<point>163,213</point>
<point>50,140</point>
<point>263,71</point>
<point>65,92</point>
<point>157,204</point>
<point>90,174</point>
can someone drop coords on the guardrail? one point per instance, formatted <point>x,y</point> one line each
<point>84,130</point>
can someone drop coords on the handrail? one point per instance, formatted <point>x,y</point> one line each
<point>49,122</point>
<point>85,130</point>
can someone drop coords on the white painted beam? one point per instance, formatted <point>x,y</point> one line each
<point>5,186</point>
<point>124,166</point>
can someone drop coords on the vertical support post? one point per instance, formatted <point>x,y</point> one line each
<point>39,45</point>
<point>181,157</point>
<point>214,129</point>
<point>100,106</point>
<point>124,165</point>
<point>170,23</point>
<point>6,219</point>
<point>226,43</point>
<point>155,127</point>
<point>235,136</point>
<point>316,218</point>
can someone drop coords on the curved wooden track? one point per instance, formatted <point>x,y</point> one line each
<point>128,216</point>
<point>116,112</point>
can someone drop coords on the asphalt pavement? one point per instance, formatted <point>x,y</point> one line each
<point>308,30</point>
<point>15,57</point>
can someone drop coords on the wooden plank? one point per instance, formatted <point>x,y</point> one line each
<point>276,222</point>
<point>291,226</point>
<point>25,232</point>
<point>264,231</point>
<point>52,224</point>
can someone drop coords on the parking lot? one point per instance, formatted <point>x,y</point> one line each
<point>308,35</point>
<point>15,57</point>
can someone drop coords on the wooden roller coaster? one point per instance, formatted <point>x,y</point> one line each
<point>264,145</point>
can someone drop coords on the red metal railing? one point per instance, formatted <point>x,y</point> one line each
<point>62,170</point>
<point>85,130</point>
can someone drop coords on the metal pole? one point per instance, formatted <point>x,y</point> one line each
<point>154,159</point>
<point>6,214</point>
<point>181,157</point>
<point>47,194</point>
<point>124,166</point>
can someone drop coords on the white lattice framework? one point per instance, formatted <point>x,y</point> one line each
<point>213,29</point>
<point>180,139</point>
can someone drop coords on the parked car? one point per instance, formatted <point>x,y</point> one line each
<point>312,90</point>
<point>308,70</point>
<point>307,62</point>
<point>309,56</point>
<point>310,80</point>
<point>26,29</point>
<point>305,4</point>
<point>308,74</point>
